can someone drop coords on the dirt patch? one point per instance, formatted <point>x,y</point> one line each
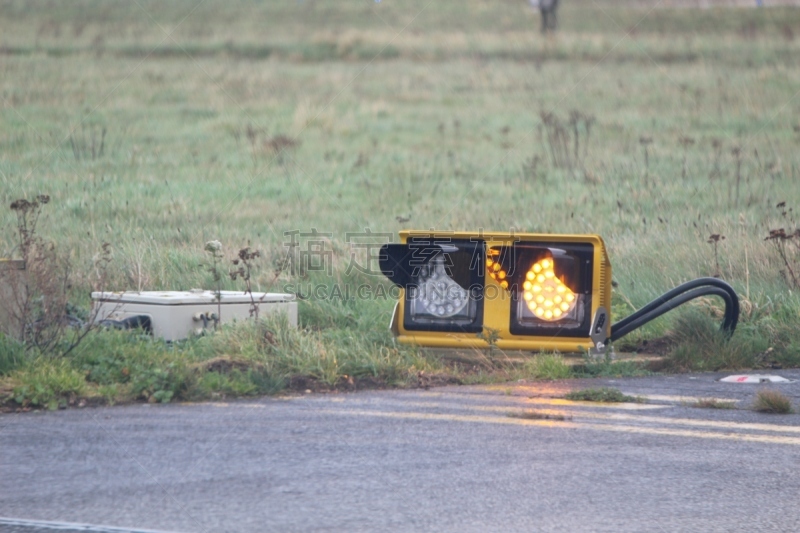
<point>537,415</point>
<point>659,346</point>
<point>426,381</point>
<point>8,405</point>
<point>225,364</point>
<point>301,383</point>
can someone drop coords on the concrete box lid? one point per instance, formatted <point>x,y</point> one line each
<point>192,297</point>
<point>755,378</point>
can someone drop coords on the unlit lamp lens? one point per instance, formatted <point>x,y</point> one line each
<point>438,293</point>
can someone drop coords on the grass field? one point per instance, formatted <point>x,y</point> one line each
<point>241,122</point>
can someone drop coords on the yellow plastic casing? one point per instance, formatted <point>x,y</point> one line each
<point>497,301</point>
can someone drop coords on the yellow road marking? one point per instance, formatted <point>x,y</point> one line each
<point>226,404</point>
<point>599,405</point>
<point>570,414</point>
<point>720,424</point>
<point>452,417</point>
<point>561,391</point>
<point>684,399</point>
<point>746,437</point>
<point>561,402</point>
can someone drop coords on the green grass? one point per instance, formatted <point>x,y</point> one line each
<point>422,111</point>
<point>240,360</point>
<point>554,367</point>
<point>12,355</point>
<point>547,366</point>
<point>606,367</point>
<point>602,394</point>
<point>49,384</point>
<point>766,338</point>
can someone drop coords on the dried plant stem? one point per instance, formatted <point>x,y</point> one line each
<point>782,252</point>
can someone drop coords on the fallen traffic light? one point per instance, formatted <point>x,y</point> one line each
<point>533,291</point>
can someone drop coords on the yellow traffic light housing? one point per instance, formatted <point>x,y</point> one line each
<point>537,291</point>
<point>531,291</point>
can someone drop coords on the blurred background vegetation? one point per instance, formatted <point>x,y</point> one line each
<point>157,127</point>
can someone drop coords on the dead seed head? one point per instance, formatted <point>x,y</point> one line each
<point>24,205</point>
<point>251,133</point>
<point>213,247</point>
<point>279,143</point>
<point>20,205</point>
<point>781,235</point>
<point>246,254</point>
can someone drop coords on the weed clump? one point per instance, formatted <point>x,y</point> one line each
<point>48,384</point>
<point>530,414</point>
<point>787,244</point>
<point>547,366</point>
<point>701,346</point>
<point>602,394</point>
<point>560,136</point>
<point>606,367</point>
<point>42,318</point>
<point>713,403</point>
<point>772,401</point>
<point>12,355</point>
<point>39,298</point>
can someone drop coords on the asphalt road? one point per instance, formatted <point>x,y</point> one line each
<point>447,459</point>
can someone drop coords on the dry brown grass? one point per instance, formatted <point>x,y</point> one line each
<point>713,403</point>
<point>772,401</point>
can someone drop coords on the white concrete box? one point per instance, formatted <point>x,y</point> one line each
<point>176,315</point>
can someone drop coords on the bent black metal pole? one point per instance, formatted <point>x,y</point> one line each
<point>679,296</point>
